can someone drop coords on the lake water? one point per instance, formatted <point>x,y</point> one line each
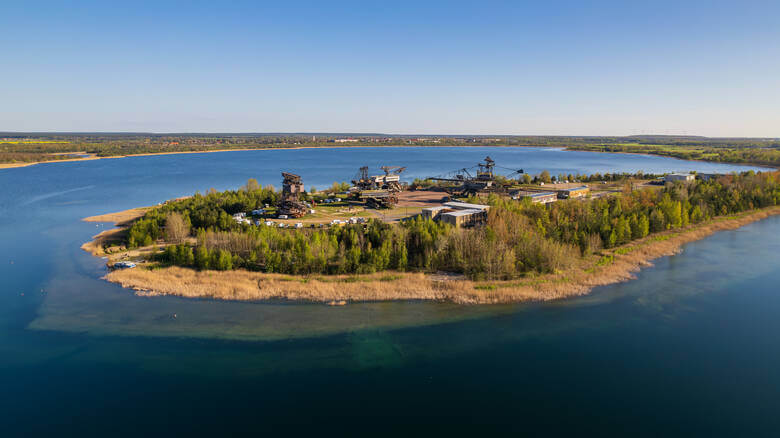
<point>689,348</point>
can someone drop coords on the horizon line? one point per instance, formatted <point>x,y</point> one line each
<point>366,134</point>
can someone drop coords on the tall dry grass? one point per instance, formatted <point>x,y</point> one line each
<point>579,279</point>
<point>120,217</point>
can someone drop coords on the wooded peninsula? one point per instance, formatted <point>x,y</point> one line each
<point>201,246</point>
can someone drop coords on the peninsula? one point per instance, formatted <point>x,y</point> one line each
<point>436,240</point>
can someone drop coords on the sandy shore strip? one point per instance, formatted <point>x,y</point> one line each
<point>64,160</point>
<point>95,157</point>
<point>122,220</point>
<point>120,217</point>
<point>611,266</point>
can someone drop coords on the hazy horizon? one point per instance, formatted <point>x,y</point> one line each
<point>605,68</point>
<point>362,134</point>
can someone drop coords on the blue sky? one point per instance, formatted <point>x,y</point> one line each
<point>545,67</point>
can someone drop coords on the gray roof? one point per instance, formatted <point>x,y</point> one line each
<point>465,205</point>
<point>462,212</point>
<point>536,194</point>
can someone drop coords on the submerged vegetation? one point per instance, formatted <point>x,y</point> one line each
<point>519,239</point>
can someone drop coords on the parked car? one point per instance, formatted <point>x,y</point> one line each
<point>283,216</point>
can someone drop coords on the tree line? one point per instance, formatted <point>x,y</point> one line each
<point>37,147</point>
<point>768,155</point>
<point>519,237</point>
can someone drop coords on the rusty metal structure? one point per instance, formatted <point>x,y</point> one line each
<point>379,198</point>
<point>290,204</point>
<point>482,181</point>
<point>379,191</point>
<point>391,181</point>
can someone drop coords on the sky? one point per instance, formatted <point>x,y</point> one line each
<point>612,67</point>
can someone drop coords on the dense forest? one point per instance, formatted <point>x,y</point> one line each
<point>31,147</point>
<point>519,237</point>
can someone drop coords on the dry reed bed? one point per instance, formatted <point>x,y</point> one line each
<point>119,218</point>
<point>589,273</point>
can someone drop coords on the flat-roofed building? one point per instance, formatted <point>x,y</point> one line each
<point>576,192</point>
<point>679,177</point>
<point>536,197</point>
<point>458,214</point>
<point>434,212</point>
<point>457,205</point>
<point>464,218</point>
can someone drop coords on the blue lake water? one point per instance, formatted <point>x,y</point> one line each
<point>689,348</point>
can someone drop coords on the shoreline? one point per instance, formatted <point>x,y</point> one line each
<point>567,148</point>
<point>121,221</point>
<point>612,266</point>
<point>150,154</point>
<point>644,154</point>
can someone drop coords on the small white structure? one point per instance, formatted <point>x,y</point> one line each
<point>283,216</point>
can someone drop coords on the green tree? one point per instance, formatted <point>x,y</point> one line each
<point>224,260</point>
<point>202,258</point>
<point>644,226</point>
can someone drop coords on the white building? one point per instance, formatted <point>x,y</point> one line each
<point>679,177</point>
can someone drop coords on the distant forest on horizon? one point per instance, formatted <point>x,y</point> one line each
<point>30,147</point>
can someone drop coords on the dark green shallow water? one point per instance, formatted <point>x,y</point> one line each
<point>689,348</point>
